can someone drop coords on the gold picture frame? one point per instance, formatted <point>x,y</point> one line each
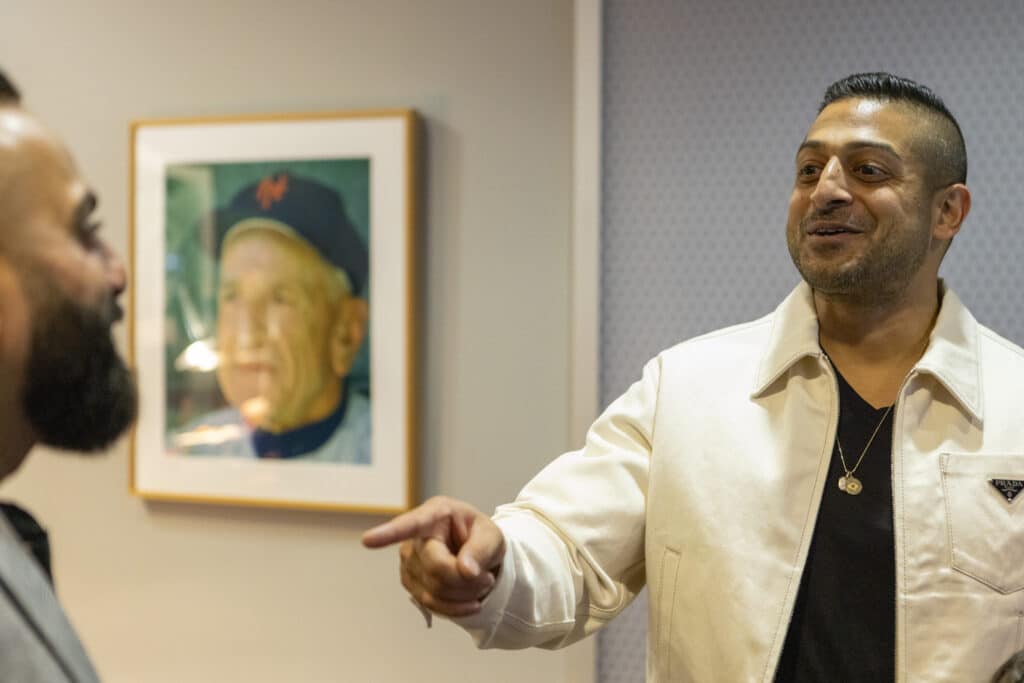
<point>272,310</point>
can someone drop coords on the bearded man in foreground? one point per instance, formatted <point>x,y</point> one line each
<point>62,381</point>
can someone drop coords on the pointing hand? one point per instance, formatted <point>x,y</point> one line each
<point>450,553</point>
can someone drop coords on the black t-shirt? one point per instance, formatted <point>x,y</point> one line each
<point>844,621</point>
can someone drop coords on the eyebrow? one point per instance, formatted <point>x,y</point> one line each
<point>851,146</point>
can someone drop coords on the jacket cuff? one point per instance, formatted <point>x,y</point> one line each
<point>482,625</point>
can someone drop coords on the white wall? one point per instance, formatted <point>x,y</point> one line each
<point>175,592</point>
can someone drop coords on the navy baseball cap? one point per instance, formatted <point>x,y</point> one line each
<point>310,210</point>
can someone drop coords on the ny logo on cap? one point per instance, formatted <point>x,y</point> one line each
<point>271,190</point>
<point>1010,488</point>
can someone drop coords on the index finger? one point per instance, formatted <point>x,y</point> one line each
<point>416,523</point>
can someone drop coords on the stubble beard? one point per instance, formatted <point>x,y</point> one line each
<point>79,394</point>
<point>878,275</point>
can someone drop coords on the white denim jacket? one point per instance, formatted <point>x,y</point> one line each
<point>704,479</point>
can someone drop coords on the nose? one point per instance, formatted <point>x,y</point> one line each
<point>116,275</point>
<point>831,190</point>
<point>250,326</point>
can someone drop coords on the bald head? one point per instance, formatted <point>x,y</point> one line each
<point>39,183</point>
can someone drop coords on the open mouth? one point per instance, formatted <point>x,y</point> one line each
<point>832,230</point>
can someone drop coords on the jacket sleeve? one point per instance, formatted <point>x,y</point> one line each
<point>575,534</point>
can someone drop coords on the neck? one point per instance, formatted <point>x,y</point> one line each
<point>13,451</point>
<point>18,436</point>
<point>875,344</point>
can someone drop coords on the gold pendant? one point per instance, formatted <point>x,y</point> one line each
<point>842,483</point>
<point>852,485</point>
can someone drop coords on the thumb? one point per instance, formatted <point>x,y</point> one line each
<point>483,550</point>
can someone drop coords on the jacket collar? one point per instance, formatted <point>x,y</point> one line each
<point>951,356</point>
<point>793,336</point>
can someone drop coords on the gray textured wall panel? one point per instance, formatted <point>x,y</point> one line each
<point>704,106</point>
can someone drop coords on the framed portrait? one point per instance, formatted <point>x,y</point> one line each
<point>272,310</point>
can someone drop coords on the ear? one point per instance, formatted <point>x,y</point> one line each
<point>12,299</point>
<point>952,205</point>
<point>15,313</point>
<point>347,333</point>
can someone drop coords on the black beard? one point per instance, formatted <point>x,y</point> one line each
<point>79,394</point>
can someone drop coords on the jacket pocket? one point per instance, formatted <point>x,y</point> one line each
<point>985,520</point>
<point>663,602</point>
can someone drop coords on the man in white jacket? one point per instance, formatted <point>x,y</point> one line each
<point>827,493</point>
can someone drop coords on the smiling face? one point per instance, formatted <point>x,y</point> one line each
<point>286,334</point>
<point>861,215</point>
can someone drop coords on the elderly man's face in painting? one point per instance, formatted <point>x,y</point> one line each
<point>288,330</point>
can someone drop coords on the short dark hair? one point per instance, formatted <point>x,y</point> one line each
<point>944,149</point>
<point>8,93</point>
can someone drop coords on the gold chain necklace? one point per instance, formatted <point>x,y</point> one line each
<point>849,483</point>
